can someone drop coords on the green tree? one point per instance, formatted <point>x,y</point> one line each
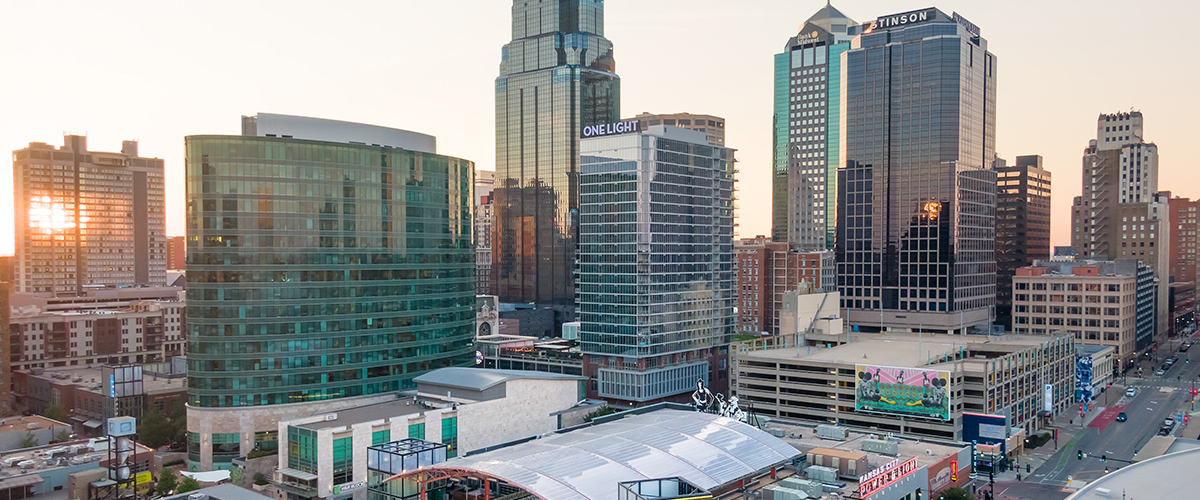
<point>237,475</point>
<point>155,430</point>
<point>955,493</point>
<point>166,483</point>
<point>188,484</point>
<point>260,479</point>
<point>62,436</point>
<point>604,410</point>
<point>29,441</point>
<point>56,413</point>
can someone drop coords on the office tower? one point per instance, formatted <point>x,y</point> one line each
<point>176,252</point>
<point>557,76</point>
<point>87,218</point>
<point>1022,224</point>
<point>6,287</point>
<point>916,192</point>
<point>329,263</point>
<point>485,214</point>
<point>1108,303</point>
<point>766,271</point>
<point>1121,214</point>
<point>656,296</point>
<point>806,133</point>
<point>713,126</point>
<point>1182,267</point>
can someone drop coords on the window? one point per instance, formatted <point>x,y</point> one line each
<point>416,431</point>
<point>381,437</point>
<point>343,460</point>
<point>302,449</point>
<point>450,436</point>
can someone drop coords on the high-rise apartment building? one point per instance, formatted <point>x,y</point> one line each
<point>557,77</point>
<point>1121,214</point>
<point>656,293</point>
<point>101,329</point>
<point>485,214</point>
<point>766,271</point>
<point>806,130</point>
<point>916,192</point>
<point>1107,303</point>
<point>1022,224</point>
<point>1183,223</point>
<point>176,252</point>
<point>6,287</point>
<point>87,218</point>
<point>713,126</point>
<point>329,264</point>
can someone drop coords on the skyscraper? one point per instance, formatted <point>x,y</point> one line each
<point>656,296</point>
<point>1022,224</point>
<point>557,76</point>
<point>713,126</point>
<point>1121,213</point>
<point>485,215</point>
<point>87,218</point>
<point>916,193</point>
<point>329,263</point>
<point>807,110</point>
<point>1183,258</point>
<point>6,287</point>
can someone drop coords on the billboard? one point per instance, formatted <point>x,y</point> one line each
<point>985,429</point>
<point>1083,379</point>
<point>903,391</point>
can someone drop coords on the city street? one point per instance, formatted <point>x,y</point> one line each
<point>1158,398</point>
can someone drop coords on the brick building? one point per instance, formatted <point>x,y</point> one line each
<point>766,271</point>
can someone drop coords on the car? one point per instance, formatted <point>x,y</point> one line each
<point>1160,371</point>
<point>1165,431</point>
<point>1185,347</point>
<point>1171,361</point>
<point>1121,417</point>
<point>1170,422</point>
<point>1131,392</point>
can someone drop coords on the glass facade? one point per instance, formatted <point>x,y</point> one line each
<point>556,76</point>
<point>450,436</point>
<point>389,459</point>
<point>656,262</point>
<point>916,196</point>
<point>302,449</point>
<point>322,270</point>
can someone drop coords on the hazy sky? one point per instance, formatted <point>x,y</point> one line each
<point>157,71</point>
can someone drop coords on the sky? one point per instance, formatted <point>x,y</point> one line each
<point>159,71</point>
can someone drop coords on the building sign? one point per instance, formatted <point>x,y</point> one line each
<point>1083,379</point>
<point>985,429</point>
<point>945,474</point>
<point>906,18</point>
<point>970,26</point>
<point>809,37</point>
<point>903,391</point>
<point>1049,406</point>
<point>883,477</point>
<point>348,487</point>
<point>610,129</point>
<point>993,431</point>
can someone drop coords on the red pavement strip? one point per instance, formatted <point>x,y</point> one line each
<point>1106,417</point>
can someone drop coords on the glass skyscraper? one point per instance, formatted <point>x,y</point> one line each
<point>556,76</point>
<point>916,195</point>
<point>655,264</point>
<point>318,271</point>
<point>806,131</point>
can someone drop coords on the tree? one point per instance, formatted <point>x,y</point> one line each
<point>260,479</point>
<point>955,493</point>
<point>29,441</point>
<point>56,413</point>
<point>188,484</point>
<point>237,475</point>
<point>155,430</point>
<point>604,410</point>
<point>166,483</point>
<point>62,436</point>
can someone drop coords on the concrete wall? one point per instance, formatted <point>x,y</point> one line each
<point>525,412</point>
<point>12,440</point>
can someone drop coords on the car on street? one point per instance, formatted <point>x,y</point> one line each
<point>1170,422</point>
<point>1171,361</point>
<point>1160,371</point>
<point>1165,431</point>
<point>1131,392</point>
<point>1121,417</point>
<point>1185,347</point>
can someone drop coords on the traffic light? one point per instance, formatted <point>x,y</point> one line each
<point>1103,458</point>
<point>1079,453</point>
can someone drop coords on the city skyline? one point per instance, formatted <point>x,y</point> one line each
<point>1046,108</point>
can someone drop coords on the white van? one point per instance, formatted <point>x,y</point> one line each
<point>1131,392</point>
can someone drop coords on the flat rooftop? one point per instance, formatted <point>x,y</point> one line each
<point>898,349</point>
<point>378,411</point>
<point>21,424</point>
<point>1148,479</point>
<point>45,459</point>
<point>804,438</point>
<point>90,379</point>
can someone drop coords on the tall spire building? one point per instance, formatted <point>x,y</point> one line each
<point>557,76</point>
<point>916,192</point>
<point>806,136</point>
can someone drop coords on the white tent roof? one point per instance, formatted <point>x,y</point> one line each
<point>706,450</point>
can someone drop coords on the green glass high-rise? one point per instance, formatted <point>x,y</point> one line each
<point>328,263</point>
<point>557,75</point>
<point>806,136</point>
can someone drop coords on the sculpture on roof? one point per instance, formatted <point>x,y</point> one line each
<point>706,402</point>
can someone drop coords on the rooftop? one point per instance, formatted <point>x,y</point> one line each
<point>1145,479</point>
<point>12,424</point>
<point>481,379</point>
<point>587,463</point>
<point>90,379</point>
<point>222,492</point>
<point>1089,349</point>
<point>321,129</point>
<point>897,349</point>
<point>804,438</point>
<point>54,456</point>
<point>378,411</point>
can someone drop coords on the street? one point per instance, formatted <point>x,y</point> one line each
<point>1157,398</point>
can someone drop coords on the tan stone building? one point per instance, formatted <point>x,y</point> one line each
<point>1095,302</point>
<point>713,126</point>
